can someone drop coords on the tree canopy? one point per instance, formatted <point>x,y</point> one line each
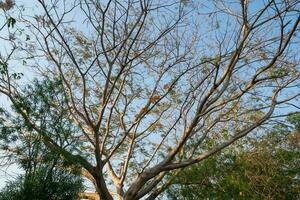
<point>43,184</point>
<point>46,176</point>
<point>133,91</point>
<point>267,168</point>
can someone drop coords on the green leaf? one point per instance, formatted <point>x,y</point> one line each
<point>3,67</point>
<point>11,22</point>
<point>17,76</point>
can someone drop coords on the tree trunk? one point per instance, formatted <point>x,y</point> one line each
<point>101,188</point>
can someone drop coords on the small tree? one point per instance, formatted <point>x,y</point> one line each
<point>46,175</point>
<point>144,81</point>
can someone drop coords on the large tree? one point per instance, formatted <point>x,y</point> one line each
<point>142,81</point>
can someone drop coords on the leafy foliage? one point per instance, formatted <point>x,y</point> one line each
<point>16,134</point>
<point>267,169</point>
<point>44,184</point>
<point>46,176</point>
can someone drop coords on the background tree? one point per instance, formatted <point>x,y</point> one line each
<point>265,168</point>
<point>43,184</point>
<point>46,175</point>
<point>146,85</point>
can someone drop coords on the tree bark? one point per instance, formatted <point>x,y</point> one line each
<point>101,188</point>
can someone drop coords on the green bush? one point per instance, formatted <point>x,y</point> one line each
<point>44,184</point>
